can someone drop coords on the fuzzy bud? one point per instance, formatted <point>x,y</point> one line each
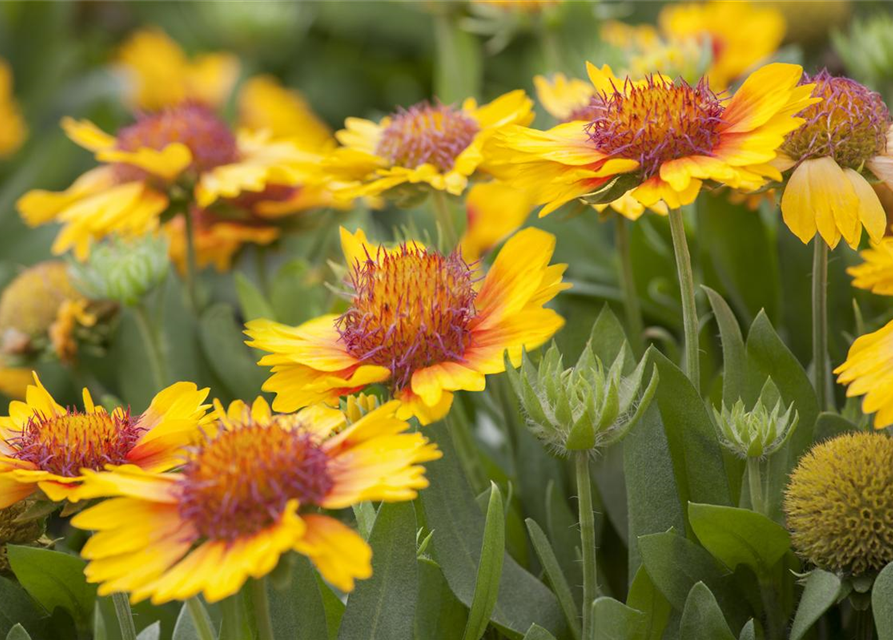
<point>123,271</point>
<point>757,433</point>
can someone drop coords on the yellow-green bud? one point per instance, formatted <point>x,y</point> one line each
<point>756,433</point>
<point>123,270</point>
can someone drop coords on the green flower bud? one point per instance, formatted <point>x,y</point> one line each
<point>586,407</point>
<point>123,270</point>
<point>759,432</point>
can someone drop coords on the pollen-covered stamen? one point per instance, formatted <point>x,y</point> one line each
<point>240,481</point>
<point>411,308</point>
<point>657,122</point>
<point>424,133</point>
<point>67,443</point>
<point>849,124</point>
<point>208,138</point>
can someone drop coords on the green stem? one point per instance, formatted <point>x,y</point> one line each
<point>755,482</point>
<point>448,236</point>
<point>200,619</point>
<point>636,326</point>
<point>263,278</point>
<point>262,609</point>
<point>587,539</point>
<point>689,306</point>
<point>154,349</point>
<point>191,269</point>
<point>124,615</point>
<point>863,624</point>
<point>820,321</point>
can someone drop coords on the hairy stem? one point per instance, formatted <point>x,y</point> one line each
<point>635,324</point>
<point>191,269</point>
<point>689,306</point>
<point>124,615</point>
<point>755,482</point>
<point>445,221</point>
<point>587,539</point>
<point>154,348</point>
<point>262,609</point>
<point>820,321</point>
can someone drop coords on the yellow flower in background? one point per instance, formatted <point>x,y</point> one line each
<point>494,211</point>
<point>161,75</point>
<point>875,274</point>
<point>47,447</point>
<point>824,160</point>
<point>520,6</point>
<point>664,137</point>
<point>247,494</point>
<point>648,52</point>
<point>436,145</point>
<point>14,130</point>
<point>419,321</point>
<point>868,371</point>
<point>145,161</point>
<point>14,380</point>
<point>739,35</point>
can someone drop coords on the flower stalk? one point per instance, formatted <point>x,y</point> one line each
<point>448,236</point>
<point>689,305</point>
<point>154,348</point>
<point>820,322</point>
<point>261,605</point>
<point>191,269</point>
<point>635,324</point>
<point>587,539</point>
<point>124,615</point>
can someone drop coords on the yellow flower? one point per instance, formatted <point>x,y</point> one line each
<point>664,137</point>
<point>844,134</point>
<point>875,274</point>
<point>247,494</point>
<point>420,321</point>
<point>143,164</point>
<point>495,211</point>
<point>14,130</point>
<point>48,447</point>
<point>435,145</point>
<point>648,52</point>
<point>160,74</point>
<point>868,371</point>
<point>740,35</point>
<point>72,314</point>
<point>520,6</point>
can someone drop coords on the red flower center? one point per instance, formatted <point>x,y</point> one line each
<point>656,122</point>
<point>208,138</point>
<point>427,134</point>
<point>411,308</point>
<point>240,481</point>
<point>65,444</point>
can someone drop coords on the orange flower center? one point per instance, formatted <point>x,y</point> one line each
<point>849,124</point>
<point>208,138</point>
<point>240,481</point>
<point>426,134</point>
<point>656,122</point>
<point>411,308</point>
<point>73,441</point>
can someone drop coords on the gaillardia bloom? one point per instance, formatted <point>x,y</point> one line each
<point>420,321</point>
<point>663,137</point>
<point>171,150</point>
<point>875,274</point>
<point>436,145</point>
<point>839,506</point>
<point>844,135</point>
<point>160,75</point>
<point>48,447</point>
<point>868,371</point>
<point>248,493</point>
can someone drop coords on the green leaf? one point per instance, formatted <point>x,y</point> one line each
<point>645,597</point>
<point>486,587</point>
<point>383,607</point>
<point>334,607</point>
<point>607,339</point>
<point>739,536</point>
<point>830,425</point>
<point>881,599</point>
<point>733,354</point>
<point>54,579</point>
<point>223,343</point>
<point>185,629</point>
<point>613,620</point>
<point>748,632</point>
<point>565,539</point>
<point>458,525</point>
<point>536,632</point>
<point>294,296</point>
<point>15,607</point>
<point>18,633</point>
<point>297,611</point>
<point>152,632</point>
<point>696,453</point>
<point>702,619</point>
<point>253,303</point>
<point>439,615</point>
<point>555,576</point>
<point>823,590</point>
<point>235,624</point>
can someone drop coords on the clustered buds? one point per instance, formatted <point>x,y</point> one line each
<point>585,407</point>
<point>757,433</point>
<point>123,271</point>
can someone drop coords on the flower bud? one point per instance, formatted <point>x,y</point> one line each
<point>759,432</point>
<point>585,407</point>
<point>123,271</point>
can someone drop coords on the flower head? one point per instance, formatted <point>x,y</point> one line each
<point>757,433</point>
<point>657,139</point>
<point>843,135</point>
<point>14,130</point>
<point>868,371</point>
<point>160,75</point>
<point>123,271</point>
<point>48,447</point>
<point>875,274</point>
<point>432,144</point>
<point>246,494</point>
<point>423,322</point>
<point>838,504</point>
